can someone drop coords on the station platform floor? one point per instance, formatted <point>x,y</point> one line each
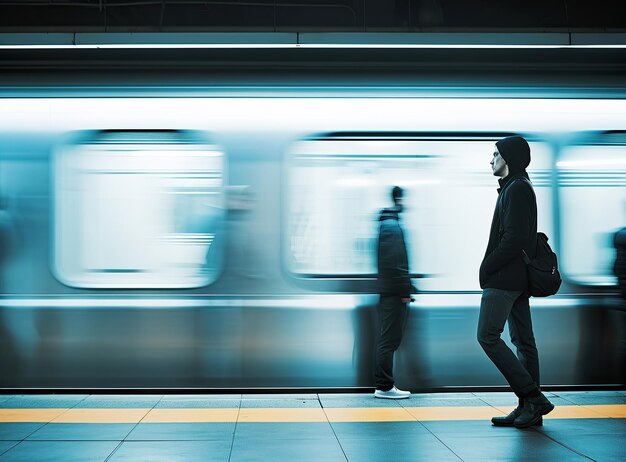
<point>307,427</point>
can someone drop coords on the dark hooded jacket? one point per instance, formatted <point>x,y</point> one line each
<point>514,223</point>
<point>393,262</point>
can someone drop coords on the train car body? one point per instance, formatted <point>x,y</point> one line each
<point>205,237</point>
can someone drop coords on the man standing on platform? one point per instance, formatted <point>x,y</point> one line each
<point>504,282</point>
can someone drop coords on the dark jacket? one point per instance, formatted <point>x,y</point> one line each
<point>513,229</point>
<point>393,262</point>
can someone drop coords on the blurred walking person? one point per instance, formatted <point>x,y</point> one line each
<point>619,267</point>
<point>395,290</point>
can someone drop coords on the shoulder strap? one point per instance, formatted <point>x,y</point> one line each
<point>532,190</point>
<point>500,213</point>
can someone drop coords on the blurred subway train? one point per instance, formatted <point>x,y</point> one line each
<point>207,241</point>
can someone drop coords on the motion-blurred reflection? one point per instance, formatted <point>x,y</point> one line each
<point>8,346</point>
<point>243,243</point>
<point>618,314</point>
<point>619,267</point>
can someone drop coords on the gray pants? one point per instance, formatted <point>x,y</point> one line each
<point>392,315</point>
<point>496,307</point>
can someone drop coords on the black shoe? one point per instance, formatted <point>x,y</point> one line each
<point>534,408</point>
<point>509,420</point>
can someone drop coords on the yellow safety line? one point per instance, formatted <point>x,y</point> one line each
<point>86,415</point>
<point>29,415</point>
<point>614,411</point>
<point>368,414</point>
<point>453,413</point>
<point>191,415</point>
<point>306,414</point>
<point>363,414</point>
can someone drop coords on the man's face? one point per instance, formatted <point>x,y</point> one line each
<point>400,204</point>
<point>498,165</point>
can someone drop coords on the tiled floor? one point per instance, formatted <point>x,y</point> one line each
<point>306,427</point>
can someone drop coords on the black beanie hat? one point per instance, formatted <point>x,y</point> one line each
<point>515,152</point>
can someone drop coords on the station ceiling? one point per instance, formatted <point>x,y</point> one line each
<point>311,15</point>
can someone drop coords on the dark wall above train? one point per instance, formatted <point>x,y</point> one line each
<point>324,15</point>
<point>407,61</point>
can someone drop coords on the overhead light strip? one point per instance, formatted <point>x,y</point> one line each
<point>306,40</point>
<point>297,46</point>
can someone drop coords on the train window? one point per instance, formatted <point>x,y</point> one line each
<point>338,185</point>
<point>592,190</point>
<point>138,209</point>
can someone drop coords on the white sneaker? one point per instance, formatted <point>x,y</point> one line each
<point>394,393</point>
